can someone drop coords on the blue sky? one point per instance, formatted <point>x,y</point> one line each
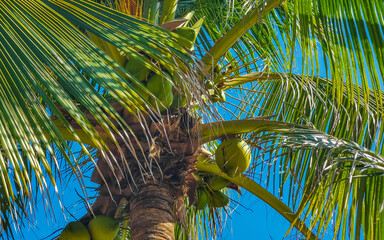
<point>254,220</point>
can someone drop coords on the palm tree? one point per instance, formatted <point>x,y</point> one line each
<point>80,71</point>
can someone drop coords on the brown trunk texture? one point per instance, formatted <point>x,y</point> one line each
<point>151,213</point>
<point>150,183</point>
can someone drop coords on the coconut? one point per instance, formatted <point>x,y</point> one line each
<point>202,199</point>
<point>216,183</point>
<point>137,68</point>
<point>218,199</point>
<point>103,228</point>
<point>75,230</point>
<point>162,102</point>
<point>162,90</point>
<point>159,85</point>
<point>233,156</point>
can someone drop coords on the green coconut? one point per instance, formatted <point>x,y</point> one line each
<point>218,199</point>
<point>233,156</point>
<point>161,102</point>
<point>103,228</point>
<point>162,90</point>
<point>138,69</point>
<point>202,199</point>
<point>216,183</point>
<point>75,230</point>
<point>159,85</point>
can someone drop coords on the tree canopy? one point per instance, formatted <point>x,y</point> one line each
<point>316,135</point>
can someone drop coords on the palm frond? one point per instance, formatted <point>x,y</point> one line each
<point>323,173</point>
<point>338,37</point>
<point>245,29</point>
<point>306,100</point>
<point>51,74</point>
<point>348,33</point>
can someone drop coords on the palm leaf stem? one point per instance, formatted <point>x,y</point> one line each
<point>125,231</point>
<point>239,29</point>
<point>211,131</point>
<point>251,186</point>
<point>207,132</point>
<point>252,77</point>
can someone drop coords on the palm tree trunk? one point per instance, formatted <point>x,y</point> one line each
<point>150,194</point>
<point>151,212</point>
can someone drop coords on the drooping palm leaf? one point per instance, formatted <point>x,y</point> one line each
<point>306,100</point>
<point>324,174</point>
<point>42,53</point>
<point>294,98</point>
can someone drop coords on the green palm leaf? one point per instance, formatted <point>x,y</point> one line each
<point>55,85</point>
<point>321,170</point>
<point>42,89</point>
<point>345,38</point>
<point>306,100</point>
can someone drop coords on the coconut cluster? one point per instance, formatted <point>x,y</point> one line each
<point>233,157</point>
<point>158,89</point>
<point>99,228</point>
